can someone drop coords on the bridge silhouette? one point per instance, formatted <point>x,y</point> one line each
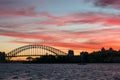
<point>32,48</point>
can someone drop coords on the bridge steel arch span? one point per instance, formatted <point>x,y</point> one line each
<point>16,51</point>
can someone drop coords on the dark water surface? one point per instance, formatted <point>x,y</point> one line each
<point>59,72</point>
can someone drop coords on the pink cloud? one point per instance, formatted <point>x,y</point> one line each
<point>20,12</point>
<point>56,23</point>
<point>77,18</point>
<point>91,18</point>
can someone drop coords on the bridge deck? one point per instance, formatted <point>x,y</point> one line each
<point>32,55</point>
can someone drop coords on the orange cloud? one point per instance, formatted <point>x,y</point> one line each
<point>95,40</point>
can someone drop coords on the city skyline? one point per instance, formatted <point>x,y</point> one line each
<point>80,25</point>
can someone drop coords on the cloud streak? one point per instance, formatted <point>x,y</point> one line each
<point>83,18</point>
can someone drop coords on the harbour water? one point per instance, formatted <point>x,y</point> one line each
<point>59,72</point>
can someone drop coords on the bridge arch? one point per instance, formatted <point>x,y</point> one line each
<point>16,51</point>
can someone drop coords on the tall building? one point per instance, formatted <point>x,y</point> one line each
<point>70,53</point>
<point>2,57</point>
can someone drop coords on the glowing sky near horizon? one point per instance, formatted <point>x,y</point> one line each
<point>81,25</point>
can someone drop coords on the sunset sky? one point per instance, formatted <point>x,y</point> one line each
<point>81,25</point>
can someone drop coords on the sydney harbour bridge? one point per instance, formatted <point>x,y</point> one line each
<point>34,50</point>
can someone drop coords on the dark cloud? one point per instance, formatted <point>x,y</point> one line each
<point>18,4</point>
<point>11,4</point>
<point>7,2</point>
<point>104,3</point>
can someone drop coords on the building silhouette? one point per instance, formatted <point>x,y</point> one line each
<point>70,53</point>
<point>2,57</point>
